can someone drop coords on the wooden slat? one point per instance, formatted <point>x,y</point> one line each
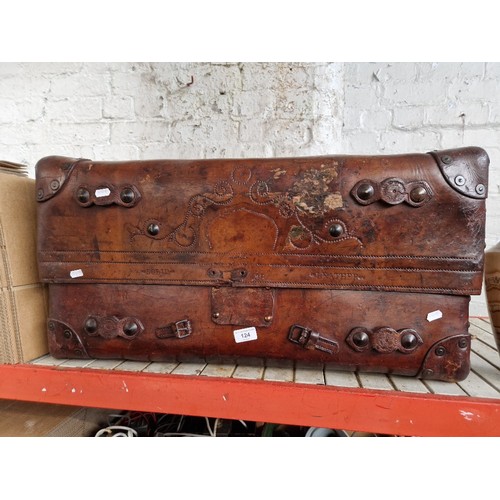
<point>279,371</point>
<point>194,368</point>
<point>340,378</point>
<point>160,367</point>
<point>408,384</point>
<point>47,360</point>
<point>475,386</point>
<point>133,366</point>
<point>375,381</point>
<point>486,371</point>
<point>445,388</point>
<point>105,364</point>
<point>485,351</point>
<point>76,363</point>
<point>219,370</point>
<point>309,375</point>
<point>249,372</point>
<point>484,336</point>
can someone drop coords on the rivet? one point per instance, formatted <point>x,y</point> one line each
<point>462,343</point>
<point>54,185</point>
<point>52,326</point>
<point>440,351</point>
<point>130,328</point>
<point>78,352</point>
<point>67,334</point>
<point>418,194</point>
<point>267,319</point>
<point>215,315</point>
<point>153,229</point>
<point>39,194</point>
<point>91,325</point>
<point>446,159</point>
<point>83,195</point>
<point>480,189</point>
<point>336,230</point>
<point>360,339</point>
<point>127,195</point>
<point>459,180</point>
<point>365,191</point>
<point>427,372</point>
<point>409,341</point>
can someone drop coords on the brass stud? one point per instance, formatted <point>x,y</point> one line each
<point>336,230</point>
<point>409,341</point>
<point>365,191</point>
<point>130,328</point>
<point>127,195</point>
<point>462,343</point>
<point>418,194</point>
<point>360,339</point>
<point>459,180</point>
<point>91,325</point>
<point>39,194</point>
<point>54,185</point>
<point>83,195</point>
<point>268,319</point>
<point>215,315</point>
<point>153,229</point>
<point>67,334</point>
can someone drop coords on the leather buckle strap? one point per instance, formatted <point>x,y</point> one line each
<point>179,329</point>
<point>309,339</point>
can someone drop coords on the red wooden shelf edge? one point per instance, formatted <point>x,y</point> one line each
<point>382,412</point>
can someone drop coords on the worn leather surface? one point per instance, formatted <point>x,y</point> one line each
<point>327,243</point>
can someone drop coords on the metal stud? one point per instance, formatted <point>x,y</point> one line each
<point>130,328</point>
<point>336,230</point>
<point>67,334</point>
<point>418,194</point>
<point>127,195</point>
<point>440,351</point>
<point>446,159</point>
<point>91,325</point>
<point>462,343</point>
<point>360,339</point>
<point>83,195</point>
<point>268,319</point>
<point>52,326</point>
<point>480,189</point>
<point>153,229</point>
<point>215,315</point>
<point>409,341</point>
<point>459,180</point>
<point>365,191</point>
<point>39,194</point>
<point>54,185</point>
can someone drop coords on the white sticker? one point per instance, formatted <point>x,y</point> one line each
<point>101,193</point>
<point>245,334</point>
<point>77,273</point>
<point>434,315</point>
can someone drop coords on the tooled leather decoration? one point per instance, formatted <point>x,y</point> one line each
<point>310,197</point>
<point>384,339</point>
<point>392,191</point>
<point>110,327</point>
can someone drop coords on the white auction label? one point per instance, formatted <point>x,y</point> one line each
<point>434,315</point>
<point>102,193</point>
<point>77,273</point>
<point>245,334</point>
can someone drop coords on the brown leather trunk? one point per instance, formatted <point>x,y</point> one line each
<point>360,262</point>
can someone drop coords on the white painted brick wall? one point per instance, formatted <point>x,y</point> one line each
<point>113,111</point>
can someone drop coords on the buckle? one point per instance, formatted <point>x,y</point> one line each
<point>179,329</point>
<point>309,339</point>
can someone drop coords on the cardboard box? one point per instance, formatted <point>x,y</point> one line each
<point>26,419</point>
<point>23,299</point>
